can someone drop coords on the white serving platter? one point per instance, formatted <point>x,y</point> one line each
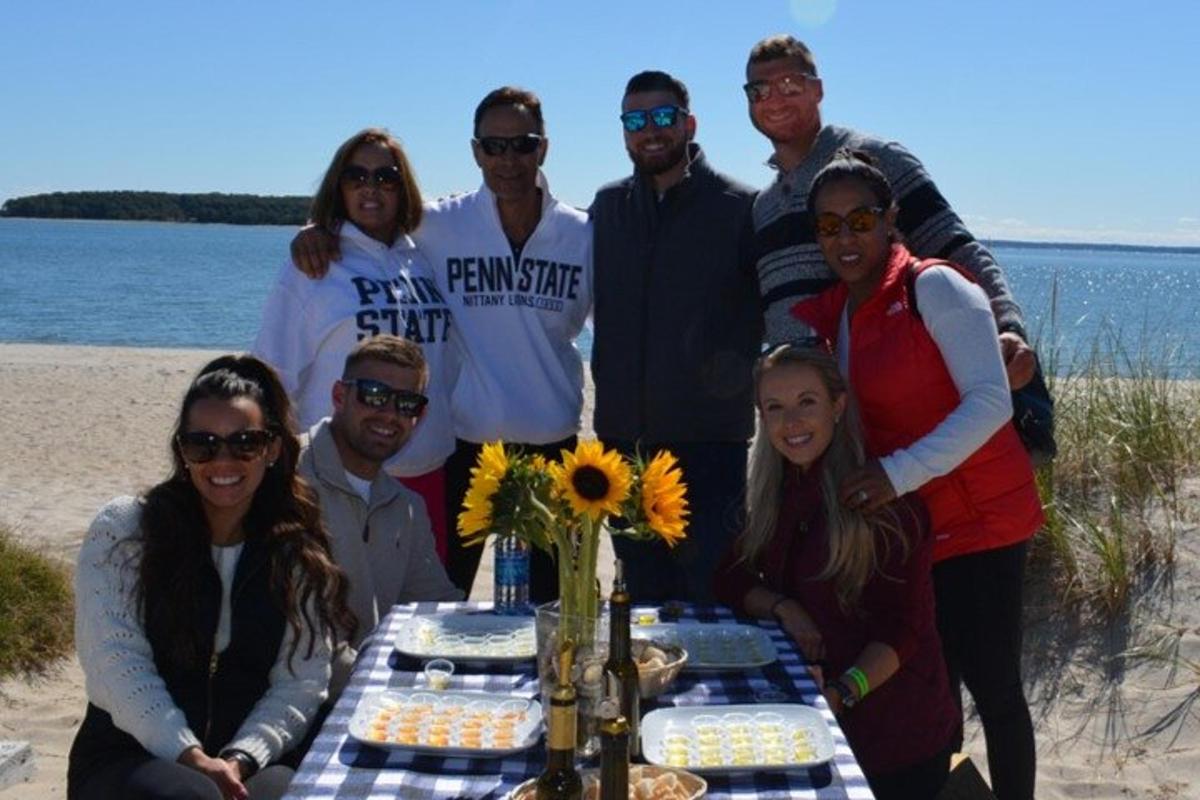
<point>737,738</point>
<point>478,637</point>
<point>404,714</point>
<point>714,648</point>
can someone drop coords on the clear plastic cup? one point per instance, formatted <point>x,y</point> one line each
<point>438,673</point>
<point>516,710</point>
<point>501,643</point>
<point>768,721</point>
<point>422,702</point>
<point>737,722</point>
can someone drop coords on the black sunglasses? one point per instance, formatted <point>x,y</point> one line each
<point>661,116</point>
<point>388,178</point>
<point>523,145</point>
<point>200,447</point>
<point>376,394</point>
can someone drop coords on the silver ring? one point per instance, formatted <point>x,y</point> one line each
<point>862,495</point>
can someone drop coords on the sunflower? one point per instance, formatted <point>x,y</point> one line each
<point>476,516</point>
<point>593,480</point>
<point>663,500</point>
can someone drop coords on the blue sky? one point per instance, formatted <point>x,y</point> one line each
<point>1050,119</point>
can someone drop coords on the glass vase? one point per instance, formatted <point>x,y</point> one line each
<point>589,636</point>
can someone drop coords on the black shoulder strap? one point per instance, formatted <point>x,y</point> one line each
<point>910,284</point>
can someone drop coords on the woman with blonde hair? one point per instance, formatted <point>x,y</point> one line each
<point>852,589</point>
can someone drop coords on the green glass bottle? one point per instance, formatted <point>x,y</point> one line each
<point>560,780</point>
<point>614,746</point>
<point>620,663</point>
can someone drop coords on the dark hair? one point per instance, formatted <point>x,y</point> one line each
<point>783,45</point>
<point>511,96</point>
<point>847,163</point>
<point>175,538</point>
<point>653,80</point>
<point>390,350</point>
<point>328,210</point>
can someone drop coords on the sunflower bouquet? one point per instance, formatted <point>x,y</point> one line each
<point>562,507</point>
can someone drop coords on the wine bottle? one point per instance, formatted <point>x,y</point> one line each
<point>614,745</point>
<point>620,663</point>
<point>560,780</point>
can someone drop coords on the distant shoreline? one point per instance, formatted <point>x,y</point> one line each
<point>1015,243</point>
<point>234,209</point>
<point>1118,248</point>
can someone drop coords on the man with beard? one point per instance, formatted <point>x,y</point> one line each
<point>784,95</point>
<point>379,530</point>
<point>677,329</point>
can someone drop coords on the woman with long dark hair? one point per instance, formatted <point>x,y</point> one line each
<point>851,588</point>
<point>205,608</point>
<point>917,342</point>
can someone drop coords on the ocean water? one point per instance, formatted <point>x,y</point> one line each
<point>151,284</point>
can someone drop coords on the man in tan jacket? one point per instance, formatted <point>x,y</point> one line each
<point>379,530</point>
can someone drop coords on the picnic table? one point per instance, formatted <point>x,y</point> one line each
<point>338,767</point>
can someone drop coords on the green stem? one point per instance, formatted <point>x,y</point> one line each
<point>586,581</point>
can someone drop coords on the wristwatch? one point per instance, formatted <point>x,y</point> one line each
<point>849,698</point>
<point>247,762</point>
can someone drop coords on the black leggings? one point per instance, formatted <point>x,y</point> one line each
<point>463,562</point>
<point>143,777</point>
<point>979,621</point>
<point>921,781</point>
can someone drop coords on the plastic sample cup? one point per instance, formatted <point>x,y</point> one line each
<point>438,672</point>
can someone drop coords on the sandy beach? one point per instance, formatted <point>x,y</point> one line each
<point>81,425</point>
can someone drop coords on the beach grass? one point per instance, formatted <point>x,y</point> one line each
<point>1128,436</point>
<point>36,624</point>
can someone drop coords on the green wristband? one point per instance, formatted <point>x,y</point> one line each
<point>860,681</point>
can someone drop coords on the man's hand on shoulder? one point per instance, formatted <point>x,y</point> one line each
<point>313,249</point>
<point>1019,360</point>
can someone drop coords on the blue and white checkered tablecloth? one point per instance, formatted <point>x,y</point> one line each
<point>338,767</point>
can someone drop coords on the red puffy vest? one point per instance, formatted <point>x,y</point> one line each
<point>904,391</point>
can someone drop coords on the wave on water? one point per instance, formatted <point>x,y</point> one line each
<point>170,285</point>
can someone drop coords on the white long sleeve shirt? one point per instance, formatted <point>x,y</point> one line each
<point>309,327</point>
<point>521,378</point>
<point>118,662</point>
<point>958,316</point>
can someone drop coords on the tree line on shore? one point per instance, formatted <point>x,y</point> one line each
<point>235,209</point>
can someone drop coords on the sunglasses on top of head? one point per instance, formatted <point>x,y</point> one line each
<point>378,395</point>
<point>661,116</point>
<point>523,145</point>
<point>200,447</point>
<point>387,178</point>
<point>861,220</point>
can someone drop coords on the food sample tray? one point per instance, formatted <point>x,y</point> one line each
<point>737,738</point>
<point>714,648</point>
<point>480,637</point>
<point>447,723</point>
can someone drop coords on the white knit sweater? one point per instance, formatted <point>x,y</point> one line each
<point>118,663</point>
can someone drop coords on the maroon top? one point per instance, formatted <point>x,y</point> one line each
<point>912,715</point>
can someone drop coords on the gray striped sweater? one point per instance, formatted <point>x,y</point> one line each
<point>790,264</point>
